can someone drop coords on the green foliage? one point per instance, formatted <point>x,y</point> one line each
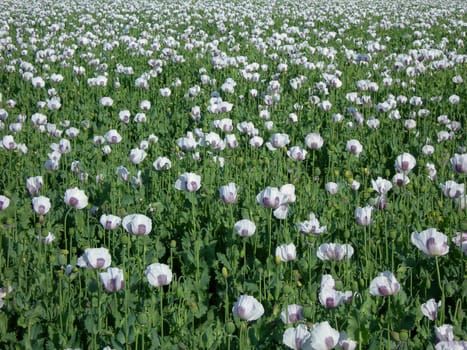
<point>49,303</point>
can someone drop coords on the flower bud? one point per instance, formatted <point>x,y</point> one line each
<point>142,318</point>
<point>230,327</point>
<point>278,259</point>
<point>307,312</point>
<point>395,336</point>
<point>404,335</point>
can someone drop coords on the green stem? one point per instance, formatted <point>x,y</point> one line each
<point>244,259</point>
<point>127,326</point>
<point>66,235</point>
<point>161,296</point>
<point>270,232</point>
<point>389,322</point>
<point>443,306</point>
<point>365,238</point>
<point>310,252</point>
<point>226,301</point>
<point>99,323</point>
<point>386,239</point>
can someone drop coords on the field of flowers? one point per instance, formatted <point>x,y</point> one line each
<point>233,174</point>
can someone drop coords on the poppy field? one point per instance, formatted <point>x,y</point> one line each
<point>233,175</point>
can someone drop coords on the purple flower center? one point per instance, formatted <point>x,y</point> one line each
<point>193,186</point>
<point>330,302</point>
<point>458,168</point>
<point>405,165</point>
<point>112,287</point>
<point>141,229</point>
<point>332,254</point>
<point>108,224</point>
<point>73,201</point>
<point>162,280</point>
<point>269,203</point>
<point>329,341</point>
<point>293,318</point>
<point>100,262</point>
<point>241,312</point>
<point>383,290</point>
<point>434,248</point>
<point>230,197</point>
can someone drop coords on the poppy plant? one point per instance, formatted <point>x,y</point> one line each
<point>34,185</point>
<point>248,308</point>
<point>431,242</point>
<point>311,226</point>
<point>292,314</point>
<point>293,337</point>
<point>228,193</point>
<point>354,147</point>
<point>385,284</point>
<point>190,182</point>
<point>162,163</point>
<point>76,198</point>
<point>95,258</point>
<point>271,197</point>
<point>41,205</point>
<point>363,215</point>
<point>137,224</point>
<point>158,274</point>
<point>335,251</point>
<point>430,309</point>
<point>245,228</point>
<point>112,280</point>
<point>459,163</point>
<point>405,163</point>
<point>322,337</point>
<point>110,222</point>
<point>286,252</point>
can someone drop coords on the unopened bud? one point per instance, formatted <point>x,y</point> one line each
<point>230,327</point>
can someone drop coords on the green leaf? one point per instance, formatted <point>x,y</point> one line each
<point>91,325</point>
<point>223,260</point>
<point>120,338</point>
